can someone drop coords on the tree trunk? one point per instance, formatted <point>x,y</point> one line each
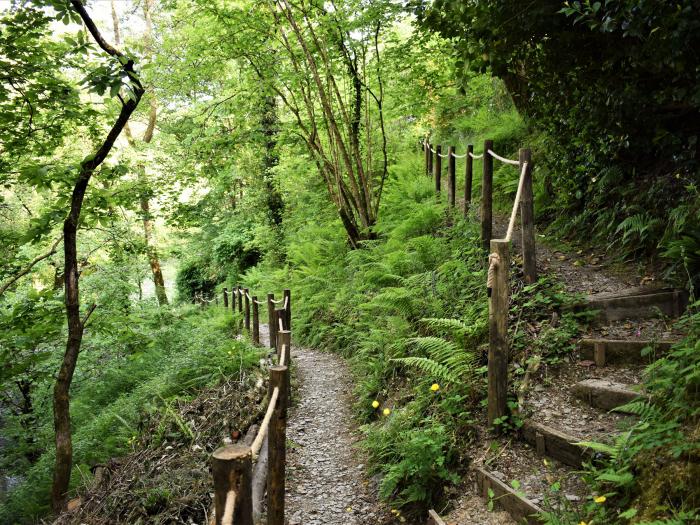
<point>270,125</point>
<point>151,249</point>
<point>152,252</point>
<point>61,393</point>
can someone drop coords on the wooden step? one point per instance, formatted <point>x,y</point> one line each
<point>604,394</point>
<point>616,351</point>
<point>434,518</point>
<point>505,497</point>
<point>641,305</point>
<point>555,444</point>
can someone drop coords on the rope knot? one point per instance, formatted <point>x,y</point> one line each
<point>494,261</point>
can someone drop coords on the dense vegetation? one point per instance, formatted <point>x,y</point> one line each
<point>277,144</point>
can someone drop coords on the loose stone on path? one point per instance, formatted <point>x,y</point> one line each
<point>325,482</point>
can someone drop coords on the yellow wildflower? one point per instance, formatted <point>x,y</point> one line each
<point>546,464</point>
<point>599,499</point>
<point>435,387</point>
<point>375,404</point>
<point>582,523</point>
<point>387,411</point>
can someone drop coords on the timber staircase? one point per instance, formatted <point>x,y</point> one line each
<point>572,403</point>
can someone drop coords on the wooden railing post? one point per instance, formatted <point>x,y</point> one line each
<point>277,453</point>
<point>247,309</point>
<point>527,218</point>
<point>438,169</point>
<point>225,297</point>
<point>426,156</point>
<point>231,469</point>
<point>498,330</point>
<point>486,195</point>
<point>468,175</point>
<point>430,160</point>
<point>240,299</point>
<point>451,176</point>
<point>271,320</point>
<point>288,309</point>
<point>256,321</point>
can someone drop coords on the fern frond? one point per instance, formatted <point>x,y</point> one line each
<point>432,368</point>
<point>454,327</point>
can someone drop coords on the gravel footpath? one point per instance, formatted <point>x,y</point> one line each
<point>326,484</point>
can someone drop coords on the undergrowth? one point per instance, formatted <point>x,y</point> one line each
<point>119,386</point>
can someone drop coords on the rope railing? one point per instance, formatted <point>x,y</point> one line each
<point>258,441</point>
<point>503,159</point>
<point>245,472</point>
<point>229,508</point>
<point>516,203</point>
<point>498,265</point>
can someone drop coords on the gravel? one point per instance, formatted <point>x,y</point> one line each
<point>326,482</point>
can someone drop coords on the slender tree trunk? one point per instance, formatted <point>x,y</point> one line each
<point>76,325</point>
<point>151,248</point>
<point>270,128</point>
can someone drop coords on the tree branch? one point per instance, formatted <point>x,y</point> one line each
<point>29,267</point>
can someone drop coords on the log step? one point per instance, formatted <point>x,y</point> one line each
<point>645,305</point>
<point>555,444</point>
<point>519,507</point>
<point>616,351</point>
<point>434,518</point>
<point>604,394</point>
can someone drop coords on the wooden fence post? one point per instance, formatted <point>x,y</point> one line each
<point>486,195</point>
<point>430,160</point>
<point>225,297</point>
<point>438,169</point>
<point>288,309</point>
<point>468,175</point>
<point>256,321</point>
<point>498,331</point>
<point>277,453</point>
<point>240,299</point>
<point>279,317</point>
<point>527,219</point>
<point>451,177</point>
<point>231,469</point>
<point>426,155</point>
<point>247,309</point>
<point>271,320</point>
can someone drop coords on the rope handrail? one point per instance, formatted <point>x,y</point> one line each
<point>229,508</point>
<point>278,301</point>
<point>476,157</point>
<point>503,159</point>
<point>257,443</point>
<point>518,194</point>
<point>260,303</point>
<point>283,355</point>
<point>280,323</point>
<point>286,303</point>
<point>443,156</point>
<point>459,156</point>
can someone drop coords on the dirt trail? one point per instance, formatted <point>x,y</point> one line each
<point>326,483</point>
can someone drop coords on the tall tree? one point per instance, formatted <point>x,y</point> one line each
<point>144,197</point>
<point>323,63</point>
<point>124,71</point>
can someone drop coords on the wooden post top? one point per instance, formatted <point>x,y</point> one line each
<point>235,452</point>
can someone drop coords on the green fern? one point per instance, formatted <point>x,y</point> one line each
<point>444,360</point>
<point>431,368</point>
